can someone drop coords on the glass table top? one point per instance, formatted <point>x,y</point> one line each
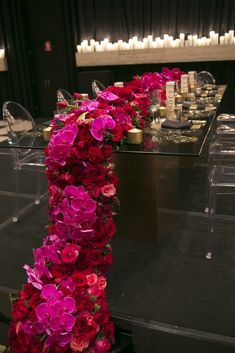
<point>162,141</point>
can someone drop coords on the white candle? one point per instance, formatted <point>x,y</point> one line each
<point>145,41</point>
<point>195,38</point>
<point>120,42</point>
<point>226,35</point>
<point>190,40</point>
<point>216,39</point>
<point>150,40</point>
<point>203,40</point>
<point>230,36</point>
<point>221,40</point>
<point>212,33</point>
<point>79,50</point>
<point>165,38</point>
<point>208,42</point>
<point>131,43</point>
<point>182,39</point>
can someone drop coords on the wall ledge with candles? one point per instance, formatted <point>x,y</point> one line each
<point>3,62</point>
<point>154,56</point>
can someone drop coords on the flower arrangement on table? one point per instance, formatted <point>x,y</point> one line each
<point>63,307</point>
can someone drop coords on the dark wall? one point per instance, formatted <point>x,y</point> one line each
<point>34,75</point>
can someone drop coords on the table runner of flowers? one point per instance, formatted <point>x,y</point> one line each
<point>63,307</point>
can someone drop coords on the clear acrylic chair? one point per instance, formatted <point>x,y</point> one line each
<point>205,78</point>
<point>65,96</point>
<point>221,181</point>
<point>21,136</point>
<point>96,87</point>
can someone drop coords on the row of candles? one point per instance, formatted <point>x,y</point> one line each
<point>149,42</point>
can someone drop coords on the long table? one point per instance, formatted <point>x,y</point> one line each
<point>160,285</point>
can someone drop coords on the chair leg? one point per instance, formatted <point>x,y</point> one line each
<point>38,188</point>
<point>209,166</point>
<point>15,217</point>
<point>211,220</point>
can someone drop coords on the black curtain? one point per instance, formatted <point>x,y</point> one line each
<point>122,19</point>
<point>14,39</point>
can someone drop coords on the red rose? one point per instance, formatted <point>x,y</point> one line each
<point>108,190</point>
<point>92,279</point>
<point>102,283</point>
<point>95,155</point>
<point>59,272</point>
<point>20,310</point>
<point>70,253</point>
<point>102,345</point>
<point>93,257</point>
<point>95,174</point>
<point>35,300</point>
<point>85,326</point>
<point>26,292</point>
<point>117,133</point>
<point>79,279</point>
<point>78,344</point>
<point>108,330</point>
<point>107,150</point>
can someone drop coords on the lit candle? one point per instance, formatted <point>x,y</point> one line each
<point>216,38</point>
<point>165,38</point>
<point>195,38</point>
<point>226,35</point>
<point>79,50</point>
<point>208,42</point>
<point>182,39</point>
<point>212,33</point>
<point>190,40</point>
<point>120,42</point>
<point>221,40</point>
<point>203,40</point>
<point>230,36</point>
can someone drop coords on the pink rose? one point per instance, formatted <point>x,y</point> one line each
<point>102,345</point>
<point>78,344</point>
<point>92,279</point>
<point>108,190</point>
<point>70,253</point>
<point>102,283</point>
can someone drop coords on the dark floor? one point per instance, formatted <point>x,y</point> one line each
<point>161,276</point>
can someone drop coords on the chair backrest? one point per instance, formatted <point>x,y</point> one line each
<point>205,78</point>
<point>20,126</point>
<point>64,96</point>
<point>96,87</point>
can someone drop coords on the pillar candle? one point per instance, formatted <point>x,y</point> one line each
<point>195,38</point>
<point>230,36</point>
<point>190,40</point>
<point>182,39</point>
<point>226,35</point>
<point>221,40</point>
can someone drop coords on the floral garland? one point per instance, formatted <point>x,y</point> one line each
<point>63,307</point>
